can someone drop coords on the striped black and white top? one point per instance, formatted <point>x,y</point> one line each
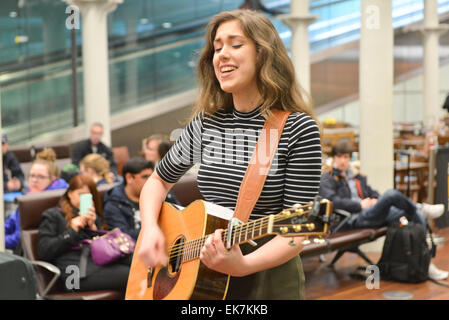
<point>223,145</point>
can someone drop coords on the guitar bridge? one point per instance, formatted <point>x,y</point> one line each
<point>150,277</point>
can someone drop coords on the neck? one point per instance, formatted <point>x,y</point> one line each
<point>130,194</point>
<point>247,102</point>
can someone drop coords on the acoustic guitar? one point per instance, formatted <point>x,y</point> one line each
<point>185,277</point>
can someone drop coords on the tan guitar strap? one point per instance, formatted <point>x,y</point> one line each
<point>259,165</point>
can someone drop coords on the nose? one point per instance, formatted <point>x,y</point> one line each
<point>223,53</point>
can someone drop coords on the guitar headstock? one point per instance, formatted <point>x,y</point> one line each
<point>310,220</point>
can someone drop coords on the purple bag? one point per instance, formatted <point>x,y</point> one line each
<point>110,246</point>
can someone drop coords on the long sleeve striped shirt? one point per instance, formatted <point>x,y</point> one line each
<point>223,144</point>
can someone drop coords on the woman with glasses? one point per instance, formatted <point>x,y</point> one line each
<point>44,175</point>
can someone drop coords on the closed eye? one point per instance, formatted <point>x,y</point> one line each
<point>235,46</point>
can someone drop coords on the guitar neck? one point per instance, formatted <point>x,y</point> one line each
<point>240,234</point>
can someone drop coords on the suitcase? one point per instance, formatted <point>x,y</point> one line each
<point>17,278</point>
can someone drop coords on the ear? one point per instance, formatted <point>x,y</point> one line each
<point>128,177</point>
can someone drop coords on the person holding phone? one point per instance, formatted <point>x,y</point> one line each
<point>77,216</point>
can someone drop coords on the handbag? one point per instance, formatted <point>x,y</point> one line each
<point>111,246</point>
<point>108,246</point>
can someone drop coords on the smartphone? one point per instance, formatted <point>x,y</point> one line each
<point>85,203</point>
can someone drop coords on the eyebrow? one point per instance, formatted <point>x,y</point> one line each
<point>232,36</point>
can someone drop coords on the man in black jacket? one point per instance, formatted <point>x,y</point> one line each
<point>349,190</point>
<point>94,145</point>
<point>121,204</point>
<point>12,164</point>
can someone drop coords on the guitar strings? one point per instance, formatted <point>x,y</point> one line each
<point>196,244</point>
<point>242,228</point>
<point>187,248</point>
<point>191,248</point>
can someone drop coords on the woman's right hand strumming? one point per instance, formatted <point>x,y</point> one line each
<point>152,247</point>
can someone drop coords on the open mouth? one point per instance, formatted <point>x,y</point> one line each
<point>227,69</point>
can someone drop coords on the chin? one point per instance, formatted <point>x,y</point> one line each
<point>226,89</point>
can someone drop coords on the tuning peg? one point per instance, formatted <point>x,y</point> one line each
<point>318,240</point>
<point>283,229</point>
<point>297,228</point>
<point>306,241</point>
<point>310,226</point>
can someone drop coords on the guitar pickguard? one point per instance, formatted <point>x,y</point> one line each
<point>164,283</point>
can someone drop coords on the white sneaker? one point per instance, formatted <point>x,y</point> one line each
<point>437,274</point>
<point>432,211</point>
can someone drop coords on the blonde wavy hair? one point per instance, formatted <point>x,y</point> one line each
<point>276,79</point>
<point>97,163</point>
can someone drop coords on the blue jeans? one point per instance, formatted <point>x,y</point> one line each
<point>389,208</point>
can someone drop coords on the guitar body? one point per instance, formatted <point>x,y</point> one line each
<point>186,231</point>
<point>179,281</point>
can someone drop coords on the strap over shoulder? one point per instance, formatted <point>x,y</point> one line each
<point>260,163</point>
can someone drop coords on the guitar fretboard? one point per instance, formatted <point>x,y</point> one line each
<point>241,233</point>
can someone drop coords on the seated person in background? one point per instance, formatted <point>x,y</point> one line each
<point>69,171</point>
<point>62,228</point>
<point>121,203</point>
<point>154,149</point>
<point>12,164</point>
<point>94,145</point>
<point>44,175</point>
<point>96,167</point>
<point>48,154</point>
<point>163,148</point>
<point>163,145</point>
<point>349,190</point>
<point>151,147</point>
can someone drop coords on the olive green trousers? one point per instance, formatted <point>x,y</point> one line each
<point>284,282</point>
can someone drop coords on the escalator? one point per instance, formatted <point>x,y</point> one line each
<point>153,52</point>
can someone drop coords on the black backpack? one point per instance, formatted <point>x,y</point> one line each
<point>405,255</point>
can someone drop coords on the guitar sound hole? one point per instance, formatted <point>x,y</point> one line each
<point>175,256</point>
